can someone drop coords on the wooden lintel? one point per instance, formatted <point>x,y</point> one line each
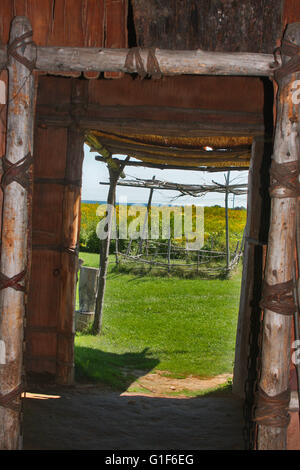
<point>171,62</point>
<point>165,121</point>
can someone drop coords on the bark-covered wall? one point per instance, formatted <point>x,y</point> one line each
<point>215,25</point>
<point>80,23</point>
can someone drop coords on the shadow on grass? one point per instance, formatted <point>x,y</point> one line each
<point>118,371</point>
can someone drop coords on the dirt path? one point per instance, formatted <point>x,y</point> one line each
<point>160,383</point>
<point>93,417</point>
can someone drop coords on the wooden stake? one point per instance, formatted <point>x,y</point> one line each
<point>169,253</point>
<point>227,178</point>
<point>117,246</point>
<point>276,346</point>
<point>146,218</point>
<point>16,216</point>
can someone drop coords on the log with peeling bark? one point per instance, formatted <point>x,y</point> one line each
<point>15,229</point>
<point>276,345</point>
<point>171,62</point>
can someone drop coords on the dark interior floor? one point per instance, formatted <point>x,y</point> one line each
<point>92,418</point>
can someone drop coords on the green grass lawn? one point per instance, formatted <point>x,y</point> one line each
<point>181,326</point>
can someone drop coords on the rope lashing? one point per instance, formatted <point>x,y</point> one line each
<point>134,57</point>
<point>254,241</point>
<point>59,181</point>
<point>279,298</point>
<point>10,400</point>
<point>291,50</point>
<point>285,176</point>
<point>13,281</point>
<point>272,410</point>
<point>17,172</point>
<point>21,42</point>
<point>153,68</point>
<point>70,250</point>
<point>59,248</point>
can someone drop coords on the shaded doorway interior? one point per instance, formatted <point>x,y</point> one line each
<point>57,140</point>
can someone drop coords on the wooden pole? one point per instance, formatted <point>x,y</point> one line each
<point>117,247</point>
<point>255,236</point>
<point>69,255</point>
<point>297,292</point>
<point>185,189</point>
<point>77,59</point>
<point>169,253</point>
<point>104,253</point>
<point>114,174</point>
<point>146,218</point>
<point>276,340</point>
<point>226,221</point>
<point>17,186</point>
<point>158,166</point>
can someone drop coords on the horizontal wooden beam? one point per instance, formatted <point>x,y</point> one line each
<point>171,62</point>
<point>171,167</point>
<point>143,149</point>
<point>162,128</point>
<point>191,189</point>
<point>209,160</point>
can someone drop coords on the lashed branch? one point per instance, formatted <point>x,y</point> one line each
<point>194,190</point>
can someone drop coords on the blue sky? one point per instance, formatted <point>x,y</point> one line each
<point>94,172</point>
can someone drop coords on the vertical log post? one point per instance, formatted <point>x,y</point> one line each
<point>272,397</point>
<point>3,115</point>
<point>114,174</point>
<point>70,238</point>
<point>255,237</point>
<point>17,185</point>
